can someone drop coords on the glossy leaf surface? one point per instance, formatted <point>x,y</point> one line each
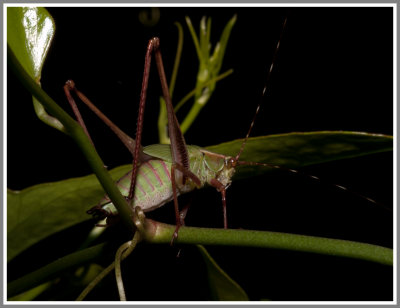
<point>29,34</point>
<point>30,31</point>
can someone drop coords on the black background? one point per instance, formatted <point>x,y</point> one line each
<point>334,72</point>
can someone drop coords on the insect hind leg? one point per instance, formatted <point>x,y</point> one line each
<point>68,87</point>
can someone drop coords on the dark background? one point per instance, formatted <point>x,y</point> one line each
<point>334,72</point>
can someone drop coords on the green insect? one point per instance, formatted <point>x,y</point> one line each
<point>161,173</point>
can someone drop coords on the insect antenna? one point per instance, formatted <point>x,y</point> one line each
<point>235,161</point>
<point>264,92</point>
<point>316,178</point>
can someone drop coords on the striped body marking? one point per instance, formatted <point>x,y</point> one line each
<point>153,184</point>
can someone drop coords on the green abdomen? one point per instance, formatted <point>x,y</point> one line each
<point>153,186</point>
<point>153,183</point>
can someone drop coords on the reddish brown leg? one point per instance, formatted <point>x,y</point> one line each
<point>221,188</point>
<point>176,206</point>
<point>126,140</point>
<point>188,174</point>
<point>180,215</point>
<point>183,213</point>
<point>180,157</point>
<point>70,85</point>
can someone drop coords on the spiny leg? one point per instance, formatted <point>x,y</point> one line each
<point>125,139</point>
<point>176,206</point>
<point>69,85</point>
<point>180,157</point>
<point>183,213</point>
<point>180,219</point>
<point>182,216</point>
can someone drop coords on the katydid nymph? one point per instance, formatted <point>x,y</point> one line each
<point>161,172</point>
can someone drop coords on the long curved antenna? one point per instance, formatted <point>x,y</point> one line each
<point>313,177</point>
<point>264,92</point>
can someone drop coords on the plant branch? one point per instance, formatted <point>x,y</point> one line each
<point>161,233</point>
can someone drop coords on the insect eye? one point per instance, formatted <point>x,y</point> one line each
<point>231,162</point>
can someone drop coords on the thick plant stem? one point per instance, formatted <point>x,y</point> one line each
<point>161,233</point>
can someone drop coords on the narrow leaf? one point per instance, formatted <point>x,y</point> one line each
<point>295,150</point>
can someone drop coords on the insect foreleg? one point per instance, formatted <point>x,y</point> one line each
<point>222,189</point>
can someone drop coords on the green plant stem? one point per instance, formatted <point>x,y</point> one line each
<point>177,59</point>
<point>159,233</point>
<point>199,88</point>
<point>123,252</point>
<point>162,233</point>
<point>77,133</point>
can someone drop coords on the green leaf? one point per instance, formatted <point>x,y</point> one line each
<point>30,31</point>
<point>29,34</point>
<point>295,150</point>
<point>223,287</point>
<point>41,210</point>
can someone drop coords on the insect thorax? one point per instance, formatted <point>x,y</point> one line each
<point>208,165</point>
